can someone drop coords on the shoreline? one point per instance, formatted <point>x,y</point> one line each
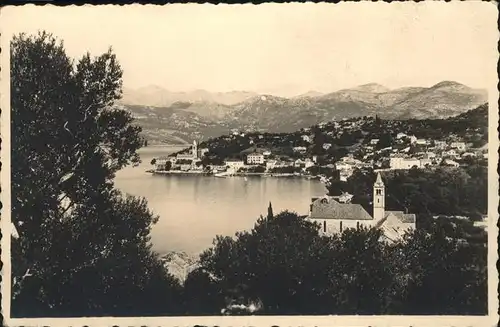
<point>240,174</point>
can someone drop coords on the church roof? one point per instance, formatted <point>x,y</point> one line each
<point>403,217</point>
<point>379,181</point>
<point>329,208</point>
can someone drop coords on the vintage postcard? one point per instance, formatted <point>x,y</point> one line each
<point>290,164</point>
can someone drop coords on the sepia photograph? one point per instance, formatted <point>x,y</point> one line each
<point>275,164</point>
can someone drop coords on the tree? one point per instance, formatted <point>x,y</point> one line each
<point>267,265</point>
<point>439,274</point>
<point>386,140</point>
<point>270,214</point>
<point>318,141</point>
<point>168,165</point>
<point>83,248</point>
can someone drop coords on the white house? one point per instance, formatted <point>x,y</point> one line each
<point>425,162</point>
<point>345,174</point>
<point>440,144</point>
<point>161,162</point>
<point>449,162</point>
<point>421,142</point>
<point>266,153</point>
<point>327,146</point>
<point>234,163</point>
<point>271,164</point>
<point>451,153</point>
<point>334,215</point>
<point>185,167</point>
<point>404,163</point>
<point>299,163</point>
<point>185,156</point>
<point>460,146</point>
<point>374,141</point>
<point>255,159</point>
<point>217,168</point>
<point>430,155</point>
<point>400,135</point>
<point>308,163</point>
<point>306,138</point>
<point>344,165</point>
<point>413,139</point>
<point>299,149</point>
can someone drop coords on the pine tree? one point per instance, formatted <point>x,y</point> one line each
<point>270,214</point>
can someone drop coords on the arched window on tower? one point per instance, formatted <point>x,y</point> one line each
<point>378,192</point>
<point>341,227</point>
<point>324,226</point>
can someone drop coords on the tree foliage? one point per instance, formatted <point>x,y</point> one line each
<point>83,248</point>
<point>286,267</point>
<point>441,191</point>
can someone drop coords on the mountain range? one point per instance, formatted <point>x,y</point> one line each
<point>180,117</point>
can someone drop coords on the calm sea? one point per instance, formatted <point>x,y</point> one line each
<point>194,209</point>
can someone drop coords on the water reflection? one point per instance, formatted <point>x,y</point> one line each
<point>194,209</point>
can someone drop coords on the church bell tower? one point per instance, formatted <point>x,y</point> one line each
<point>378,199</point>
<point>195,149</point>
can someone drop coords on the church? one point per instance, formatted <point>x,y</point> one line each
<point>336,213</point>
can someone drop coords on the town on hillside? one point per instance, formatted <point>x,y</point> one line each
<point>338,148</point>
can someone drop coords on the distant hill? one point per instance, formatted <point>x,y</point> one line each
<point>441,100</point>
<point>159,97</point>
<point>310,94</point>
<point>370,88</point>
<point>349,135</point>
<point>182,117</point>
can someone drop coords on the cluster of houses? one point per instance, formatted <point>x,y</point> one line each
<point>190,161</point>
<point>266,159</point>
<point>431,153</point>
<point>405,152</point>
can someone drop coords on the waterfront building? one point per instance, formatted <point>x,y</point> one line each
<point>271,164</point>
<point>160,163</point>
<point>255,159</point>
<point>202,152</point>
<point>234,163</point>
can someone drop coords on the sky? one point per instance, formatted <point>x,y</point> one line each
<point>282,49</point>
